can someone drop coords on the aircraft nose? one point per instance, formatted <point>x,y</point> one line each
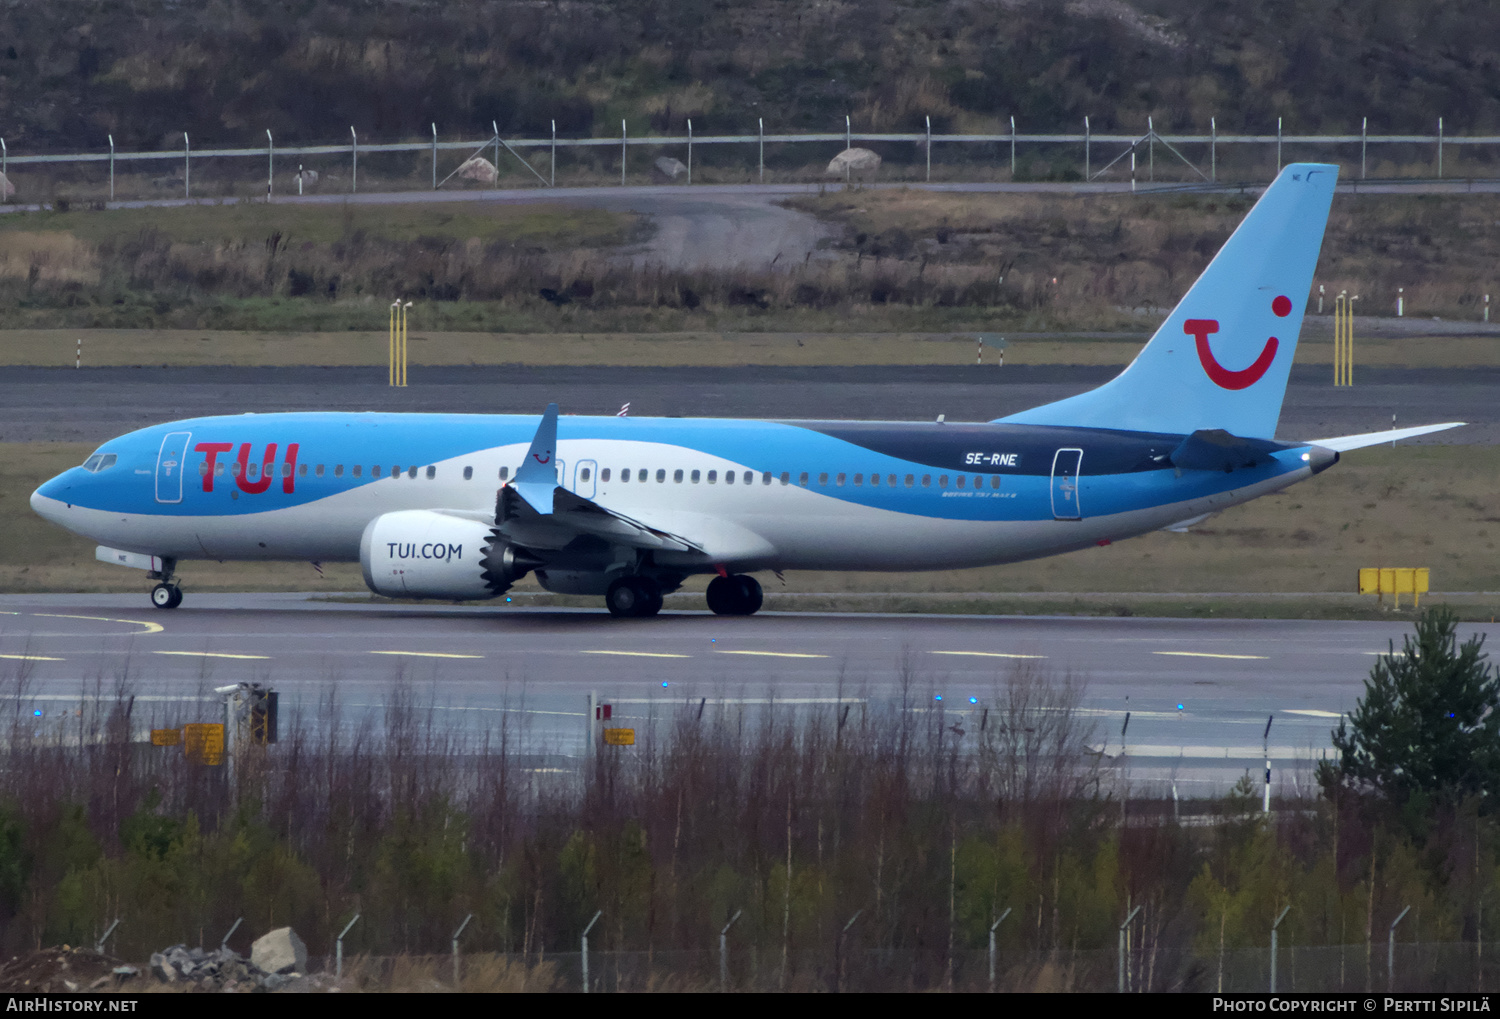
<point>51,496</point>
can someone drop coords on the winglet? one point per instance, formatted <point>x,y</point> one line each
<point>536,478</point>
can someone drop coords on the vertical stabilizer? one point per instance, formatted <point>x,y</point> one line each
<point>1222,357</point>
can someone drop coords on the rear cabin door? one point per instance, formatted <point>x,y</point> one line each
<point>1065,466</point>
<point>170,462</point>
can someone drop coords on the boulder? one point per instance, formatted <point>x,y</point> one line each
<point>667,168</point>
<point>852,161</point>
<point>480,169</point>
<point>279,951</point>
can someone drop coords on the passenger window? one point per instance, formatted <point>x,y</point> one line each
<point>943,481</point>
<point>713,476</point>
<point>411,472</point>
<point>218,470</point>
<point>374,471</point>
<point>802,479</point>
<point>625,475</point>
<point>959,481</point>
<point>358,470</point>
<point>203,469</point>
<point>677,475</point>
<point>786,478</point>
<point>729,477</point>
<point>504,473</point>
<point>859,480</point>
<point>874,481</point>
<point>695,476</point>
<point>318,471</point>
<point>823,478</point>
<point>890,479</point>
<point>840,480</point>
<point>640,475</point>
<point>253,470</point>
<point>661,475</point>
<point>286,470</point>
<point>468,473</point>
<point>583,475</point>
<point>765,479</point>
<point>431,472</point>
<point>910,480</point>
<point>604,474</point>
<point>926,481</point>
<point>994,481</point>
<point>302,470</point>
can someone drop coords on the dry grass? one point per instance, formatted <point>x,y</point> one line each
<point>1414,506</point>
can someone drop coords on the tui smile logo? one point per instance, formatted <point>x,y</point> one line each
<point>542,459</point>
<point>1202,328</point>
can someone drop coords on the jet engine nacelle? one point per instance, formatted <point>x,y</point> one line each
<point>425,554</point>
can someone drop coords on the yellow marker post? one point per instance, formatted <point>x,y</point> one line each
<point>391,346</point>
<point>1395,582</point>
<point>405,308</point>
<point>1343,339</point>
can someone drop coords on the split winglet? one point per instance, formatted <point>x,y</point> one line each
<point>536,478</point>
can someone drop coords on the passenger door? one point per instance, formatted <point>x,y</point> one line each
<point>1065,466</point>
<point>170,463</point>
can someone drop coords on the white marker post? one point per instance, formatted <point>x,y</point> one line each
<point>1266,746</point>
<point>78,358</point>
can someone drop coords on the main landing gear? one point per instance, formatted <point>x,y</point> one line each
<point>633,597</point>
<point>735,595</point>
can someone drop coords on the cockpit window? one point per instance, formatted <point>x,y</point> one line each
<point>99,462</point>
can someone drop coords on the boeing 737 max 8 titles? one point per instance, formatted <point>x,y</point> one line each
<point>458,507</point>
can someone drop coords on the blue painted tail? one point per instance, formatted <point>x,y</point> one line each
<point>1222,358</point>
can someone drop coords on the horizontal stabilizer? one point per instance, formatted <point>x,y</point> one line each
<point>1213,449</point>
<point>1344,443</point>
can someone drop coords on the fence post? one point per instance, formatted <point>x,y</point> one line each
<point>1213,149</point>
<point>224,942</point>
<point>586,949</point>
<point>270,164</point>
<point>1121,965</point>
<point>187,166</point>
<point>554,155</point>
<point>1278,144</point>
<point>761,127</point>
<point>1364,141</point>
<point>495,126</point>
<point>99,945</point>
<point>111,167</point>
<point>624,142</point>
<point>4,168</point>
<point>724,951</point>
<point>929,149</point>
<point>434,155</point>
<point>354,155</point>
<point>690,150</point>
<point>338,949</point>
<point>1013,149</point>
<point>1390,951</point>
<point>1151,148</point>
<point>992,946</point>
<point>838,963</point>
<point>1086,167</point>
<point>1280,917</point>
<point>456,935</point>
<point>1440,148</point>
<point>848,133</point>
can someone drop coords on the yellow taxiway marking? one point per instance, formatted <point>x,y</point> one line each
<point>984,654</point>
<point>635,654</point>
<point>33,658</point>
<point>424,654</point>
<point>210,654</point>
<point>1205,654</point>
<point>770,654</point>
<point>149,627</point>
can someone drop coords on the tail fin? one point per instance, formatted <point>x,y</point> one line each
<point>1222,357</point>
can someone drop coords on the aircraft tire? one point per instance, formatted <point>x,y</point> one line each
<point>633,597</point>
<point>736,595</point>
<point>166,596</point>
<point>751,596</point>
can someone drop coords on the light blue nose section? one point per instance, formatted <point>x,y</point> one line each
<point>51,497</point>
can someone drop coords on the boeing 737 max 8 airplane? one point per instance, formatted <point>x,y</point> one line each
<point>457,506</point>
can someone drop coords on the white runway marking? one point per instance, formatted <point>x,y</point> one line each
<point>984,654</point>
<point>635,654</point>
<point>424,654</point>
<point>1207,654</point>
<point>770,654</point>
<point>211,654</point>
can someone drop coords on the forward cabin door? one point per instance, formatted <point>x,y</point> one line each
<point>1065,466</point>
<point>169,466</point>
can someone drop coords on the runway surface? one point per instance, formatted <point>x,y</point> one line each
<point>94,404</point>
<point>1198,691</point>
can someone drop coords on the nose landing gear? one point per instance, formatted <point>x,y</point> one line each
<point>166,596</point>
<point>735,595</point>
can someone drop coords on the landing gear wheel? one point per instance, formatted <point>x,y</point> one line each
<point>633,597</point>
<point>166,596</point>
<point>736,595</point>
